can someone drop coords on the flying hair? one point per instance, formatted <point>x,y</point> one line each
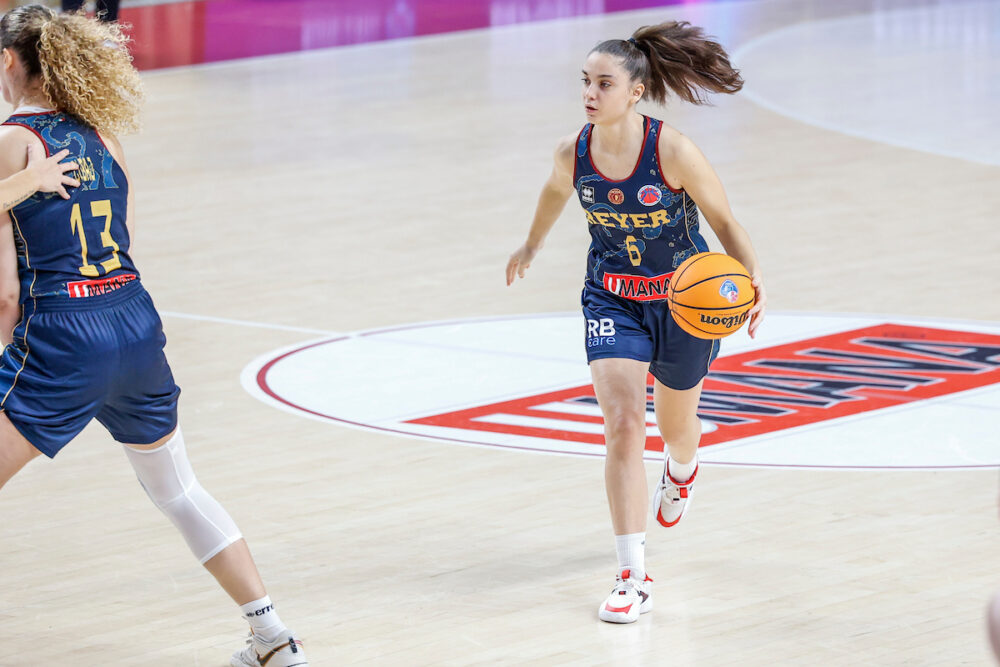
<point>675,57</point>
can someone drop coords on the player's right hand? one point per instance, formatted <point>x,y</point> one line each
<point>519,262</point>
<point>51,172</point>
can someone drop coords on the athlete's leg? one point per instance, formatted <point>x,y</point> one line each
<point>15,450</point>
<point>677,419</point>
<point>620,385</point>
<point>164,471</point>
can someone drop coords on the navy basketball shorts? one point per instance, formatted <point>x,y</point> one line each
<point>74,359</point>
<point>619,328</point>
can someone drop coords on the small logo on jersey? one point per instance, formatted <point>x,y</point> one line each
<point>729,291</point>
<point>650,195</point>
<point>616,196</point>
<point>587,194</point>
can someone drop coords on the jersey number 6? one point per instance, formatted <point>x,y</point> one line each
<point>634,255</point>
<point>98,209</point>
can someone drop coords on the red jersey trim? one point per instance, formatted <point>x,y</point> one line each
<point>31,129</point>
<point>576,147</point>
<point>648,123</point>
<point>659,168</point>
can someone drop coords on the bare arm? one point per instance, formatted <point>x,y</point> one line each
<point>13,158</point>
<point>685,166</point>
<point>45,174</point>
<point>551,202</point>
<point>10,286</point>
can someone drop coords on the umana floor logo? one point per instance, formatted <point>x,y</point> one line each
<point>811,391</point>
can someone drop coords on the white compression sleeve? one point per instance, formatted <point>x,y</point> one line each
<point>166,475</point>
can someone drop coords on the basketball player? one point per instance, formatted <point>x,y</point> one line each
<point>82,337</point>
<point>639,181</point>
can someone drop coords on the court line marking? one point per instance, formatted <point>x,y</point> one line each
<point>246,323</point>
<point>361,333</point>
<point>249,378</point>
<point>756,43</point>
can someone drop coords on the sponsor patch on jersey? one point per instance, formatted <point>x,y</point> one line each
<point>587,194</point>
<point>616,196</point>
<point>809,391</point>
<point>729,291</point>
<point>638,288</point>
<point>84,288</point>
<point>650,195</point>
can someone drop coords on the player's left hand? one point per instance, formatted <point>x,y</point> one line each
<point>760,304</point>
<point>52,176</point>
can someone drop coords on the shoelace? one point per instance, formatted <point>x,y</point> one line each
<point>623,584</point>
<point>672,490</point>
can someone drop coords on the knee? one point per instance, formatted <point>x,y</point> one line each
<point>624,430</point>
<point>680,430</point>
<point>166,475</point>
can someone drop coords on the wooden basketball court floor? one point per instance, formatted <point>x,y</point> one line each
<point>285,198</point>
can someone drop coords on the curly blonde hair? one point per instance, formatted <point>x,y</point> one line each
<point>84,65</point>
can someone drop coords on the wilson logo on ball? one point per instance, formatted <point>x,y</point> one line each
<point>730,322</point>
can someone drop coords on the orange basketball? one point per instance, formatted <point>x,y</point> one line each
<point>710,294</point>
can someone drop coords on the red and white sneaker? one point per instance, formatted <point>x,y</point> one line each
<point>672,498</point>
<point>630,597</point>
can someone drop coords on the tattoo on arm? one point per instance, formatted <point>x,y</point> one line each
<point>7,205</point>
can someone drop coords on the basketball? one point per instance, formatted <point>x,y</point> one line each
<point>709,295</point>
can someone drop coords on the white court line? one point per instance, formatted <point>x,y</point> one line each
<point>248,323</point>
<point>545,315</point>
<point>762,42</point>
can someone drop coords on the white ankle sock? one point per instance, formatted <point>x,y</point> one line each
<point>631,550</point>
<point>681,472</point>
<point>262,618</point>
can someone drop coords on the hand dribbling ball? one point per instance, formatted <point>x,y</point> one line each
<point>710,294</point>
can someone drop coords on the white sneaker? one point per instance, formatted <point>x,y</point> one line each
<point>630,597</point>
<point>672,498</point>
<point>285,651</point>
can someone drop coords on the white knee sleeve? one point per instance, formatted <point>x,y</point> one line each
<point>166,475</point>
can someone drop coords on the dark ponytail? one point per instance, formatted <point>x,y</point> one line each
<point>675,57</point>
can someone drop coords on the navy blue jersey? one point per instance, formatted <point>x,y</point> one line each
<point>74,247</point>
<point>641,229</point>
